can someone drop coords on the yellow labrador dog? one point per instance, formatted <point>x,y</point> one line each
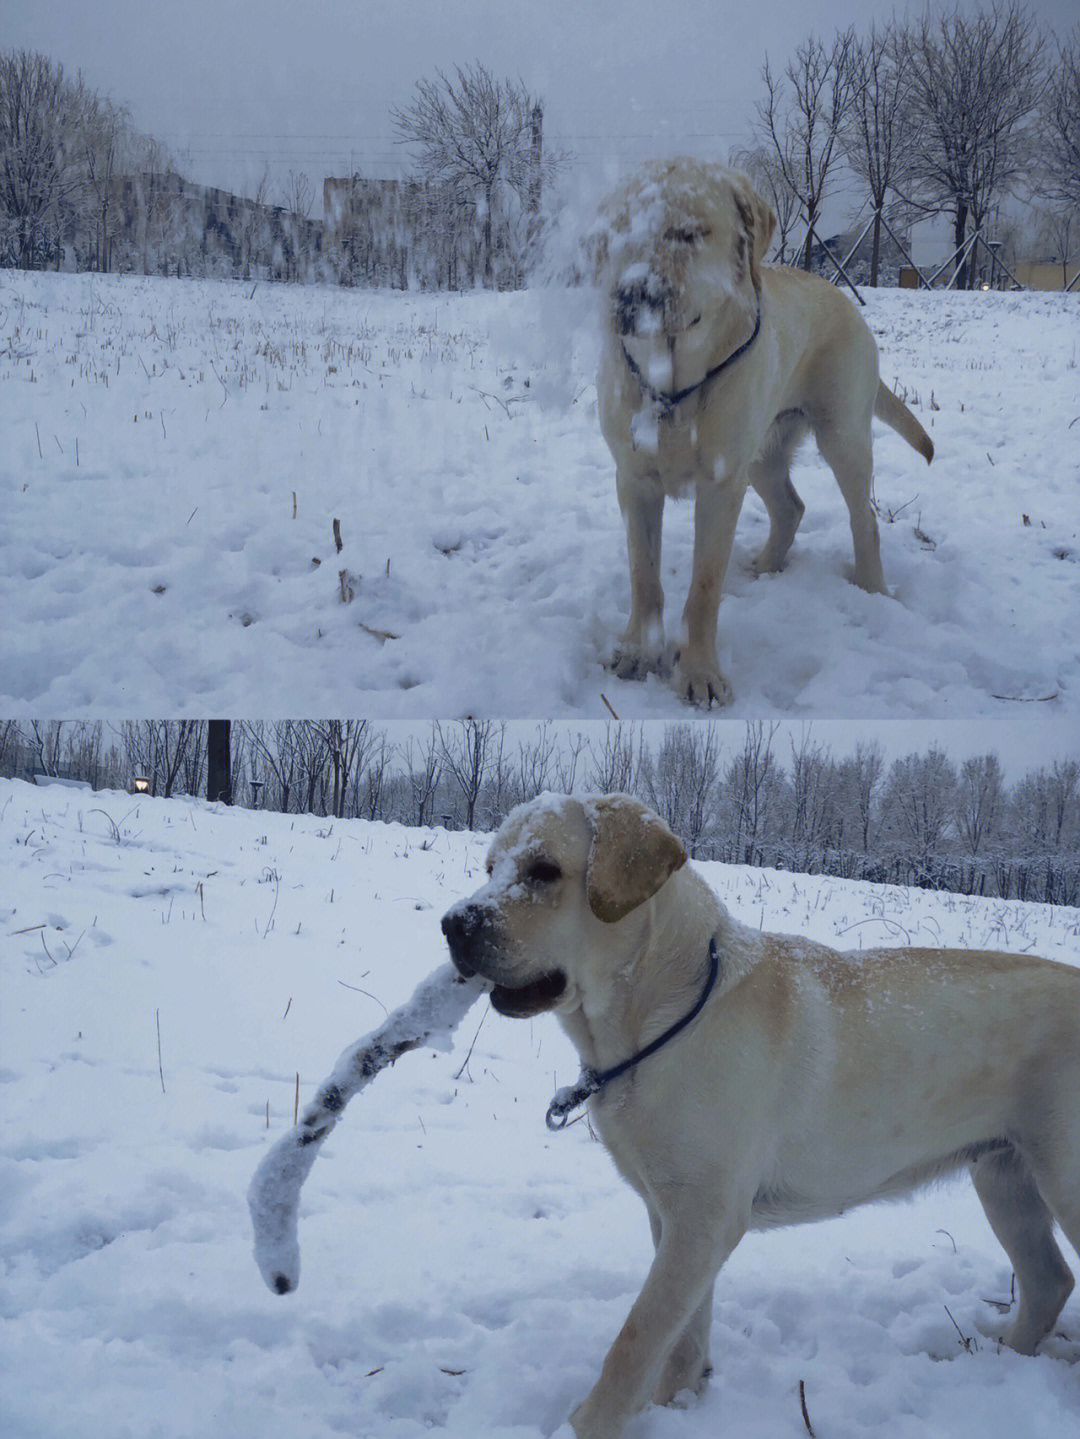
<point>713,367</point>
<point>743,1080</point>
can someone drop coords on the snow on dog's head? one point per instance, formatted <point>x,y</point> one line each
<point>558,867</point>
<point>680,245</point>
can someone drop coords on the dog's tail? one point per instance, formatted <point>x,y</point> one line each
<point>897,416</point>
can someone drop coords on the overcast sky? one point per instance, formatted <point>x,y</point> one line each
<point>234,87</point>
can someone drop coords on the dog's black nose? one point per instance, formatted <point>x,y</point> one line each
<point>461,925</point>
<point>640,305</point>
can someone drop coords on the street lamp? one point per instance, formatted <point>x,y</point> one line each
<point>142,784</point>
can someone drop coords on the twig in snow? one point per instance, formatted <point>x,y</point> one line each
<point>112,822</point>
<point>476,1036</point>
<point>381,635</point>
<point>970,1346</point>
<point>805,1412</point>
<point>337,535</point>
<point>608,707</point>
<point>160,1068</point>
<point>220,381</point>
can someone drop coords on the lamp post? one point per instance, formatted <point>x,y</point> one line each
<point>142,784</point>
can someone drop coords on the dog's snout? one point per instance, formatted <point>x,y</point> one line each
<point>461,922</point>
<point>461,926</point>
<point>640,305</point>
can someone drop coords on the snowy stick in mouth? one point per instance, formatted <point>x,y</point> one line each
<point>435,1010</point>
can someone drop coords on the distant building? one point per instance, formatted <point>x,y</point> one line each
<point>169,225</point>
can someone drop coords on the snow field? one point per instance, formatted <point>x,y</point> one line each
<point>175,454</point>
<point>463,1270</point>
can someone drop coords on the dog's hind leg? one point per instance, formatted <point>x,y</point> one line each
<point>688,1367</point>
<point>1024,1224</point>
<point>849,454</point>
<point>770,476</point>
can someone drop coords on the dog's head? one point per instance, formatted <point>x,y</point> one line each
<point>561,872</point>
<point>683,243</point>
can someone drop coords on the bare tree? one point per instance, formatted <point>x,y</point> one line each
<point>976,78</point>
<point>155,206</point>
<point>535,764</point>
<point>313,758</point>
<point>980,801</point>
<point>749,793</point>
<point>349,746</point>
<point>104,133</point>
<point>1057,233</point>
<point>866,769</point>
<point>481,138</point>
<point>465,753</point>
<point>567,759</point>
<point>369,782</point>
<point>425,771</point>
<point>919,794</point>
<point>297,196</point>
<point>614,760</point>
<point>41,174</point>
<point>879,133</point>
<point>1059,125</point>
<point>802,118</point>
<point>813,799</point>
<point>681,782</point>
<point>277,755</point>
<point>252,226</point>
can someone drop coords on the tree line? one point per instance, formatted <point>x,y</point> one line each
<point>768,800</point>
<point>948,113</point>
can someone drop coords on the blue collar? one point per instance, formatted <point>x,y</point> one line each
<point>668,402</point>
<point>592,1080</point>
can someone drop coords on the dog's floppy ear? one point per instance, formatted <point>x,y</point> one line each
<point>758,221</point>
<point>632,854</point>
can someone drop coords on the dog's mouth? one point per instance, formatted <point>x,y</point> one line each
<point>523,1001</point>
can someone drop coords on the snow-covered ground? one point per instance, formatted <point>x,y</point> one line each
<point>175,453</point>
<point>168,968</point>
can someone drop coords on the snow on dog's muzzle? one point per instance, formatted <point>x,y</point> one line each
<point>472,940</point>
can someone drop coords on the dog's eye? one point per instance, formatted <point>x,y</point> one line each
<point>695,321</point>
<point>542,871</point>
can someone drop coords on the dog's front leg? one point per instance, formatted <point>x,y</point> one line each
<point>640,647</point>
<point>696,1240</point>
<point>716,512</point>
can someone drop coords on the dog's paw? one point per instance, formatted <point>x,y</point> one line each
<point>701,684</point>
<point>628,662</point>
<point>635,662</point>
<point>768,561</point>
